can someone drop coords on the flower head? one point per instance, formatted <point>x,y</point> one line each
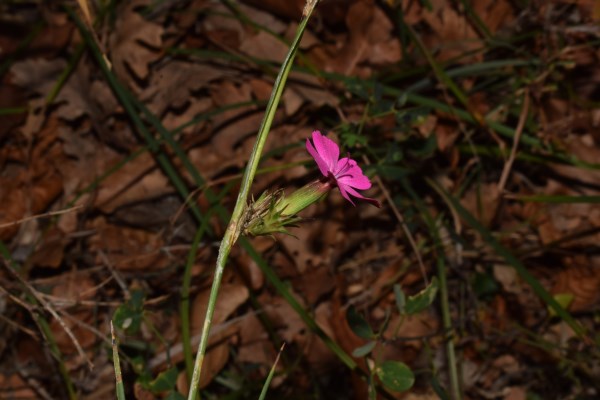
<point>341,172</point>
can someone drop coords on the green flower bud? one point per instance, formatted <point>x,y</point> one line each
<point>273,212</point>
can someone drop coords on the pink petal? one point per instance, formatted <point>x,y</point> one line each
<point>327,149</point>
<point>343,189</point>
<point>360,182</point>
<point>360,196</point>
<point>354,177</point>
<point>320,162</point>
<point>343,166</point>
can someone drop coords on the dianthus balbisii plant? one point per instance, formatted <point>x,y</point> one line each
<point>273,211</point>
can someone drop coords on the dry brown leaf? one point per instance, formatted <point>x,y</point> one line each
<point>482,202</point>
<point>413,326</point>
<point>14,387</point>
<point>263,45</point>
<point>223,30</point>
<point>237,124</point>
<point>74,287</point>
<point>555,221</point>
<point>320,357</point>
<point>581,279</point>
<point>10,96</point>
<point>214,361</point>
<point>495,14</point>
<point>20,197</point>
<point>54,36</point>
<point>348,341</point>
<point>175,119</point>
<point>134,43</point>
<point>127,248</point>
<point>371,40</point>
<point>453,36</point>
<point>251,271</point>
<point>211,163</point>
<point>584,148</point>
<point>515,393</point>
<point>171,85</point>
<point>287,321</point>
<point>315,283</point>
<point>231,296</point>
<point>51,252</point>
<point>85,337</point>
<point>255,346</point>
<point>78,96</point>
<point>305,88</point>
<point>137,180</point>
<point>37,75</point>
<point>289,9</point>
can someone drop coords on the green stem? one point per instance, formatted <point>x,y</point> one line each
<point>120,389</point>
<point>234,227</point>
<point>447,321</point>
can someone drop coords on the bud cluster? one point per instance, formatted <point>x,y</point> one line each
<point>272,212</point>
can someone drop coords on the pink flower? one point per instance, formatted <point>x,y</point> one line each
<point>343,173</point>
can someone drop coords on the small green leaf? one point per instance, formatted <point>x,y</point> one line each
<point>564,299</point>
<point>422,300</point>
<point>358,324</point>
<point>400,298</point>
<point>364,349</point>
<point>164,381</point>
<point>128,316</point>
<point>484,284</point>
<point>395,376</point>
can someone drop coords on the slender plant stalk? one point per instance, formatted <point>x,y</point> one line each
<point>263,393</point>
<point>117,365</point>
<point>447,321</point>
<point>234,227</point>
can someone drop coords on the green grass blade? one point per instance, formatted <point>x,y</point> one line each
<point>263,393</point>
<point>120,389</point>
<point>13,110</point>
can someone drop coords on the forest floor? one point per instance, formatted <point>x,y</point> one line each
<point>125,128</point>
